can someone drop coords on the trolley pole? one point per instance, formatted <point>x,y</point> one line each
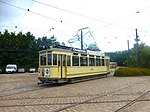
<point>82,36</point>
<point>137,49</point>
<point>81,40</point>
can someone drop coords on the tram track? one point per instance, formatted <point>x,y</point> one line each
<point>67,102</point>
<point>132,102</point>
<point>9,92</point>
<point>16,83</point>
<point>71,96</point>
<point>76,103</point>
<point>26,87</point>
<point>89,99</point>
<point>42,87</point>
<point>16,88</point>
<point>39,88</point>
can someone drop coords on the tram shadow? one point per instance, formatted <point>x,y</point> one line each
<point>74,81</point>
<point>47,85</point>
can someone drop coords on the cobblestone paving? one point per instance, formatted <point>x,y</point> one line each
<point>20,93</point>
<point>143,105</point>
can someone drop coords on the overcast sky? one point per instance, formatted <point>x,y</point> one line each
<point>111,22</point>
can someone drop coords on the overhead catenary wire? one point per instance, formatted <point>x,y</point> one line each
<point>28,10</point>
<point>24,15</point>
<point>107,23</point>
<point>128,16</point>
<point>114,23</point>
<point>31,11</point>
<point>71,12</point>
<point>81,15</point>
<point>48,31</point>
<point>20,27</point>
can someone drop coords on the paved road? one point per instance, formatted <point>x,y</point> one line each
<point>20,93</point>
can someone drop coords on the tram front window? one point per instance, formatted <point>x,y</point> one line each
<point>43,60</point>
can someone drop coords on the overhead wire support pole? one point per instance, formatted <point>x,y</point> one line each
<point>137,49</point>
<point>128,53</point>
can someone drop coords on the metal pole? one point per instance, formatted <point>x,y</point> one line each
<point>82,36</point>
<point>81,40</point>
<point>137,50</point>
<point>128,52</point>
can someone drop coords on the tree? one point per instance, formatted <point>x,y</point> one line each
<point>7,46</point>
<point>44,42</point>
<point>120,57</point>
<point>22,49</point>
<point>145,57</point>
<point>125,58</point>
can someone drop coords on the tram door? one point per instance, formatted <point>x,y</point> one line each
<point>62,65</point>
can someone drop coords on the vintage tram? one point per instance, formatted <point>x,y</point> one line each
<point>64,64</point>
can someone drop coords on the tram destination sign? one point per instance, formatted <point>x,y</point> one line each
<point>98,53</point>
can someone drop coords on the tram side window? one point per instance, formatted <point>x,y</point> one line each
<point>83,61</point>
<point>97,62</point>
<point>91,61</point>
<point>59,59</point>
<point>68,61</point>
<point>75,60</point>
<point>103,63</point>
<point>43,60</point>
<point>54,59</point>
<point>64,60</point>
<point>49,59</point>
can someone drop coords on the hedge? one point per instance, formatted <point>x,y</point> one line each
<point>124,72</point>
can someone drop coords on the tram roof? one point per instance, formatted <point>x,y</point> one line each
<point>74,50</point>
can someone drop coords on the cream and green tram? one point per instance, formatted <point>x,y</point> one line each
<point>58,65</point>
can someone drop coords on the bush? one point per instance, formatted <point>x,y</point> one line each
<point>124,72</point>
